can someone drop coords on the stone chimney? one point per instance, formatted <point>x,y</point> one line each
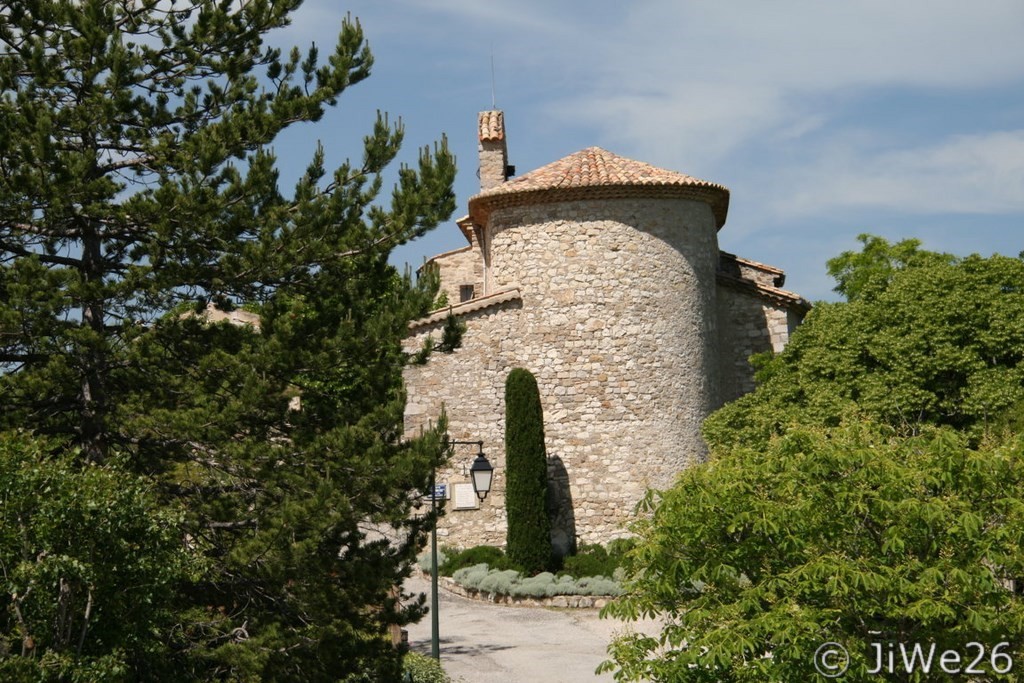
<point>494,169</point>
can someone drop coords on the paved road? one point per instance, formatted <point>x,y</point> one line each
<point>485,643</point>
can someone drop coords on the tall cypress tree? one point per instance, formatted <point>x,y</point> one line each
<point>529,527</point>
<point>137,189</point>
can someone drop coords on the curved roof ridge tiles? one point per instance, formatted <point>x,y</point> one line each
<point>597,173</point>
<point>481,303</point>
<point>491,125</point>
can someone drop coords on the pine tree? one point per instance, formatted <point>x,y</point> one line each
<point>137,191</point>
<point>529,528</point>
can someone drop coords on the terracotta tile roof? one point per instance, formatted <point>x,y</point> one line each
<point>471,306</point>
<point>741,267</point>
<point>726,256</point>
<point>594,166</point>
<point>598,173</point>
<point>492,125</point>
<point>781,296</point>
<point>466,226</point>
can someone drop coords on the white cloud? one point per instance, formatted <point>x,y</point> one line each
<point>787,102</point>
<point>689,125</point>
<point>810,44</point>
<point>692,86</point>
<point>709,72</point>
<point>500,16</point>
<point>982,174</point>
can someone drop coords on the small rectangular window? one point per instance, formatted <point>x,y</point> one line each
<point>465,293</point>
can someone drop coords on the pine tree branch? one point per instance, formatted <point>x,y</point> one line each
<point>22,357</point>
<point>240,524</point>
<point>144,160</point>
<point>52,259</point>
<point>373,245</point>
<point>63,232</point>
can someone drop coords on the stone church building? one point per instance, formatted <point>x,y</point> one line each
<point>603,277</point>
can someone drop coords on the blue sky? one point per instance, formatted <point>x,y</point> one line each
<point>825,119</point>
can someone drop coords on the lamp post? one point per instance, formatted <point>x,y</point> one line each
<point>481,472</point>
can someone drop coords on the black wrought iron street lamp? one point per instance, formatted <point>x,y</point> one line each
<point>481,472</point>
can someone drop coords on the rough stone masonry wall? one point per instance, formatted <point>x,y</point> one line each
<point>469,384</point>
<point>751,270</point>
<point>493,159</point>
<point>781,323</point>
<point>747,324</point>
<point>460,267</point>
<point>618,324</point>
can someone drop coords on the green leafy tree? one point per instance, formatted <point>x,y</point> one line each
<point>936,341</point>
<point>137,190</point>
<point>86,557</point>
<point>868,491</point>
<point>864,273</point>
<point>529,527</point>
<point>854,536</point>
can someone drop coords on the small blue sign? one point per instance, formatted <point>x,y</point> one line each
<point>440,491</point>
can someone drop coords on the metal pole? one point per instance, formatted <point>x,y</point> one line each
<point>435,643</point>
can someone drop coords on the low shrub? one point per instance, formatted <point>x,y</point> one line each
<point>499,581</point>
<point>617,548</point>
<point>595,560</point>
<point>470,577</point>
<point>417,668</point>
<point>589,560</point>
<point>540,586</point>
<point>544,585</point>
<point>488,554</point>
<point>423,561</point>
<point>598,585</point>
<point>594,570</point>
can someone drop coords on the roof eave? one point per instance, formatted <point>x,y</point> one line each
<point>715,196</point>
